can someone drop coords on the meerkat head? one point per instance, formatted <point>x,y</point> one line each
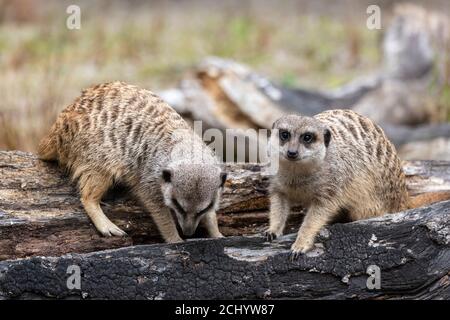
<point>303,140</point>
<point>192,190</point>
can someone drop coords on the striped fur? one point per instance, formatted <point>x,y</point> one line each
<point>115,132</point>
<point>358,173</point>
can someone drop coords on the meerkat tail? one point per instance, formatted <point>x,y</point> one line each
<point>428,198</point>
<point>47,148</point>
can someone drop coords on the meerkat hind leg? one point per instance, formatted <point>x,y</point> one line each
<point>92,188</point>
<point>279,212</point>
<point>316,218</point>
<point>209,221</point>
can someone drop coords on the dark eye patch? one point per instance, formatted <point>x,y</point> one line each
<point>206,209</point>
<point>284,135</point>
<point>179,207</point>
<point>308,137</point>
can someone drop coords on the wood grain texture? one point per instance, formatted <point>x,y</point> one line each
<point>41,214</point>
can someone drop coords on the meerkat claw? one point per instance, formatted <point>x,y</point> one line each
<point>219,235</point>
<point>175,239</point>
<point>270,236</point>
<point>302,247</point>
<point>112,230</point>
<point>118,232</point>
<point>294,255</point>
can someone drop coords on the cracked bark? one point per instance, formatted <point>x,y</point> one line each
<point>41,214</point>
<point>410,248</point>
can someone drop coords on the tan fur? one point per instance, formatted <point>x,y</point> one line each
<point>357,175</point>
<point>119,133</point>
<point>428,198</point>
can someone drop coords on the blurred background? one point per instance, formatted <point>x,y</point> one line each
<point>318,46</point>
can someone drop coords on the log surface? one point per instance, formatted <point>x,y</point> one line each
<point>41,214</point>
<point>410,248</point>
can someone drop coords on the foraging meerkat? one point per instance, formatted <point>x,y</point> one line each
<point>337,162</point>
<point>119,133</point>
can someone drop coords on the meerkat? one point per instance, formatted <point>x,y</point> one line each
<point>335,163</point>
<point>118,133</point>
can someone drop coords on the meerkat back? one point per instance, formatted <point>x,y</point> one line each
<point>105,125</point>
<point>116,132</point>
<point>370,160</point>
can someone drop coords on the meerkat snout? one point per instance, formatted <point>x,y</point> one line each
<point>305,143</point>
<point>191,191</point>
<point>292,155</point>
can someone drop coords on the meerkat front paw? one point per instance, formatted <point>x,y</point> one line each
<point>218,235</point>
<point>108,229</point>
<point>300,247</point>
<point>271,235</point>
<point>174,239</point>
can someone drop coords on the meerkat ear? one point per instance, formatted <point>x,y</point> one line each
<point>275,123</point>
<point>223,178</point>
<point>167,175</point>
<point>327,137</point>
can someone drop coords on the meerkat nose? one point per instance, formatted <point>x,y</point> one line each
<point>292,154</point>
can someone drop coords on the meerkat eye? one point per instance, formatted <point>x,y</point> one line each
<point>284,135</point>
<point>178,206</point>
<point>308,137</point>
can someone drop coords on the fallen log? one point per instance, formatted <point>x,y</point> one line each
<point>434,149</point>
<point>227,95</point>
<point>401,96</point>
<point>41,214</point>
<point>409,253</point>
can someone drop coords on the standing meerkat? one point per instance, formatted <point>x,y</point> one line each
<point>337,162</point>
<point>119,133</point>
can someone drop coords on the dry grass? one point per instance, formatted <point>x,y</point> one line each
<point>44,65</point>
